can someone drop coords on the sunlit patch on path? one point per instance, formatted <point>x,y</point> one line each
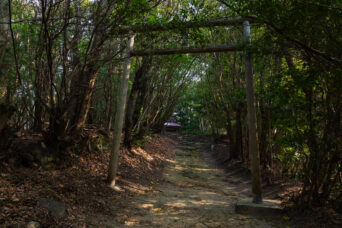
<point>193,193</point>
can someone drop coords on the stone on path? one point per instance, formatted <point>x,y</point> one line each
<point>267,208</point>
<point>56,208</point>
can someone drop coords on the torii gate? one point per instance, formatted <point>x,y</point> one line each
<point>251,116</point>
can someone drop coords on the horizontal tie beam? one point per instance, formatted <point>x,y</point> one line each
<point>189,50</point>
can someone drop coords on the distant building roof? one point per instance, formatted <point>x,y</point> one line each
<point>171,124</point>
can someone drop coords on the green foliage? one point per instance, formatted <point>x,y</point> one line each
<point>142,142</point>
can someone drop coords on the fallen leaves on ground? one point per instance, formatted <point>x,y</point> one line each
<point>81,187</point>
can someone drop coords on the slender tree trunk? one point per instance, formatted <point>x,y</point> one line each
<point>6,113</point>
<point>41,100</point>
<point>140,81</point>
<point>119,117</point>
<point>230,134</point>
<point>238,144</point>
<point>81,114</point>
<point>108,89</point>
<point>264,126</point>
<point>4,53</point>
<point>4,30</point>
<point>237,152</point>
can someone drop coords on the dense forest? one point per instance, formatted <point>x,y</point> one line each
<point>69,68</point>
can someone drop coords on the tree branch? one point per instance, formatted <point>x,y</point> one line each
<point>13,42</point>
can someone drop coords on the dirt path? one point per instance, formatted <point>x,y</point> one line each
<point>193,193</point>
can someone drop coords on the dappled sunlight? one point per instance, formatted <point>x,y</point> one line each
<point>134,187</point>
<point>178,168</point>
<point>143,153</point>
<point>204,169</point>
<point>132,222</point>
<point>192,192</point>
<point>178,203</point>
<point>146,205</point>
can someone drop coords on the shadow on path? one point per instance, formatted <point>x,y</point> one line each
<point>192,193</point>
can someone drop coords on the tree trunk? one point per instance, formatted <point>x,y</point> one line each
<point>4,53</point>
<point>140,81</point>
<point>238,144</point>
<point>41,101</point>
<point>81,110</point>
<point>230,134</point>
<point>108,90</point>
<point>265,157</point>
<point>4,29</point>
<point>6,113</point>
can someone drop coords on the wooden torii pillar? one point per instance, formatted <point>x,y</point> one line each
<point>129,52</point>
<point>253,147</point>
<point>119,115</point>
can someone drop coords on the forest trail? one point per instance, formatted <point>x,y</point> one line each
<point>192,193</point>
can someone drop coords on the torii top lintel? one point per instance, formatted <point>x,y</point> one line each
<point>223,21</point>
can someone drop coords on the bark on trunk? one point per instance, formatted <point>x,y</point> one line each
<point>6,113</point>
<point>265,156</point>
<point>4,55</point>
<point>140,81</point>
<point>238,144</point>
